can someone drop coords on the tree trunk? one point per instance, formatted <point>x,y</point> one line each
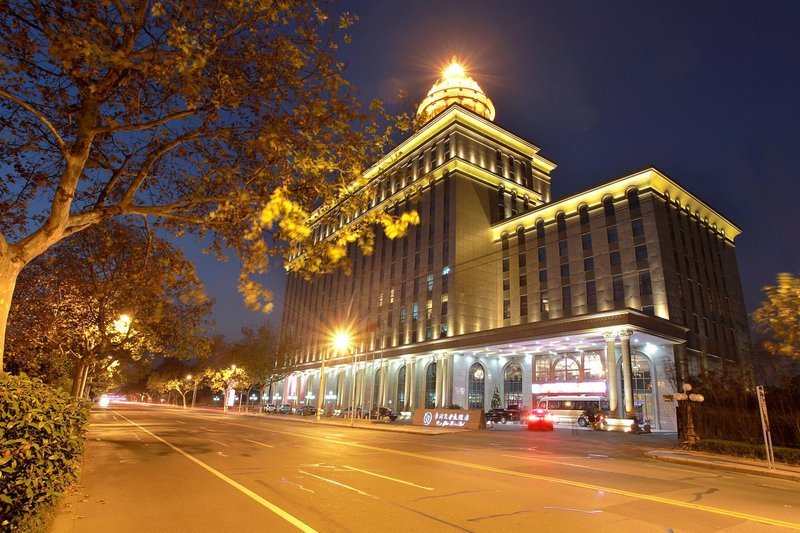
<point>77,379</point>
<point>9,271</point>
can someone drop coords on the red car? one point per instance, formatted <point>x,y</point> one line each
<point>540,419</point>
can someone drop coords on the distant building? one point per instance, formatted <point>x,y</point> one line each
<point>623,290</point>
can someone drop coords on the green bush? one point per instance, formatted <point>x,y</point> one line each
<point>41,442</point>
<point>744,449</point>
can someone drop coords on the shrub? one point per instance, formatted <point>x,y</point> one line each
<point>743,449</point>
<point>41,442</point>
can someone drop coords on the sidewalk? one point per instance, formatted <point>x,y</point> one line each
<point>727,463</point>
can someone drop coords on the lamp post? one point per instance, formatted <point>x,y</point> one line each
<point>690,437</point>
<point>194,389</point>
<point>341,342</point>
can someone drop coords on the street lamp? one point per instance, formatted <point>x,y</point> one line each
<point>691,437</point>
<point>341,341</point>
<point>194,389</point>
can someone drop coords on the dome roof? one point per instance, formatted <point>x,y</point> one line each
<point>454,87</point>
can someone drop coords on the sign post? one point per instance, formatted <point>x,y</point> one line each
<point>762,408</point>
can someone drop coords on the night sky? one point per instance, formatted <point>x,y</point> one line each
<point>706,92</point>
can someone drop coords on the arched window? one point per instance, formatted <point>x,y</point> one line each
<point>633,199</point>
<point>608,206</point>
<point>593,366</point>
<point>583,214</point>
<point>512,384</point>
<point>566,369</point>
<point>521,236</point>
<point>430,386</point>
<point>477,386</point>
<point>401,388</point>
<point>540,229</point>
<point>542,369</point>
<point>561,222</point>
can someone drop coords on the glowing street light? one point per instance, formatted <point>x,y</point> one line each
<point>341,342</point>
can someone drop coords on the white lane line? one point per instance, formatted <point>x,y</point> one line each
<point>219,442</point>
<point>302,526</point>
<point>261,443</point>
<point>335,483</point>
<point>387,477</point>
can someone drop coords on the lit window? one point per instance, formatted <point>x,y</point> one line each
<point>428,309</point>
<point>430,281</point>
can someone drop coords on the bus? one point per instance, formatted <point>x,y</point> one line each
<point>570,409</point>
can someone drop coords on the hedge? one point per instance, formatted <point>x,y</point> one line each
<point>744,449</point>
<point>41,441</point>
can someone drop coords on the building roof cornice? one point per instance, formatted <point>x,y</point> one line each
<point>648,178</point>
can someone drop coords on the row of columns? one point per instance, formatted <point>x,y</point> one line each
<point>627,372</point>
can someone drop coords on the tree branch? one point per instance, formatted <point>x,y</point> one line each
<point>62,146</point>
<point>149,125</point>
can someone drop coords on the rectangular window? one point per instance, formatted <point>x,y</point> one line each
<point>638,227</point>
<point>523,305</point>
<point>566,299</point>
<point>445,278</point>
<point>444,331</point>
<point>506,284</point>
<point>563,248</point>
<point>391,296</point>
<point>591,296</point>
<point>565,270</point>
<point>619,289</point>
<point>428,309</point>
<point>430,256</point>
<point>588,264</point>
<point>523,281</point>
<point>430,282</point>
<point>506,264</point>
<point>586,238</point>
<point>645,285</point>
<point>543,275</point>
<point>444,305</point>
<point>542,254</point>
<point>544,304</point>
<point>415,311</point>
<point>612,235</point>
<point>616,258</point>
<point>428,333</point>
<point>522,260</point>
<point>402,315</point>
<point>641,252</point>
<point>506,308</point>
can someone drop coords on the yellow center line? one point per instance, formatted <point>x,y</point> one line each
<point>560,481</point>
<point>387,477</point>
<point>302,526</point>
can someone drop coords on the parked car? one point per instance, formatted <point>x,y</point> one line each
<point>271,408</point>
<point>503,415</point>
<point>384,413</point>
<point>285,409</point>
<point>307,410</point>
<point>540,419</point>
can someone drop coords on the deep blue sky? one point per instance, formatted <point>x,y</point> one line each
<point>705,91</point>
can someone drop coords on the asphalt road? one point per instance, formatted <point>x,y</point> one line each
<point>151,469</point>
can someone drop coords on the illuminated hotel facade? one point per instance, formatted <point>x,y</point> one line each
<point>623,290</point>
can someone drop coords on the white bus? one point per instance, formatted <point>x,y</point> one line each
<point>569,409</point>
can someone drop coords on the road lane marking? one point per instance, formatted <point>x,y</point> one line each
<point>302,526</point>
<point>559,481</point>
<point>335,483</point>
<point>260,443</point>
<point>555,462</point>
<point>387,477</point>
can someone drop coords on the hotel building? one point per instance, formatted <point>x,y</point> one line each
<point>623,290</point>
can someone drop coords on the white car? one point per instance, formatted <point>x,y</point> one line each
<point>271,408</point>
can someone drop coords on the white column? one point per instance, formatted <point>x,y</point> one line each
<point>439,379</point>
<point>612,382</point>
<point>625,347</point>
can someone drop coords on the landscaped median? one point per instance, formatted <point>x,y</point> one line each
<point>41,441</point>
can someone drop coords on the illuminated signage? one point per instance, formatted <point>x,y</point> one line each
<point>582,387</point>
<point>448,418</point>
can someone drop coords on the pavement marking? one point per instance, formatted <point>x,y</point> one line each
<point>302,526</point>
<point>335,483</point>
<point>387,477</point>
<point>559,481</point>
<point>261,443</point>
<point>554,462</point>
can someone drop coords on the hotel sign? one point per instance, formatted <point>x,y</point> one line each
<point>449,418</point>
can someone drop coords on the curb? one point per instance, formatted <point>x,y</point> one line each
<point>729,466</point>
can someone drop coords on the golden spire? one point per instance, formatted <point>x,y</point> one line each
<point>454,87</point>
